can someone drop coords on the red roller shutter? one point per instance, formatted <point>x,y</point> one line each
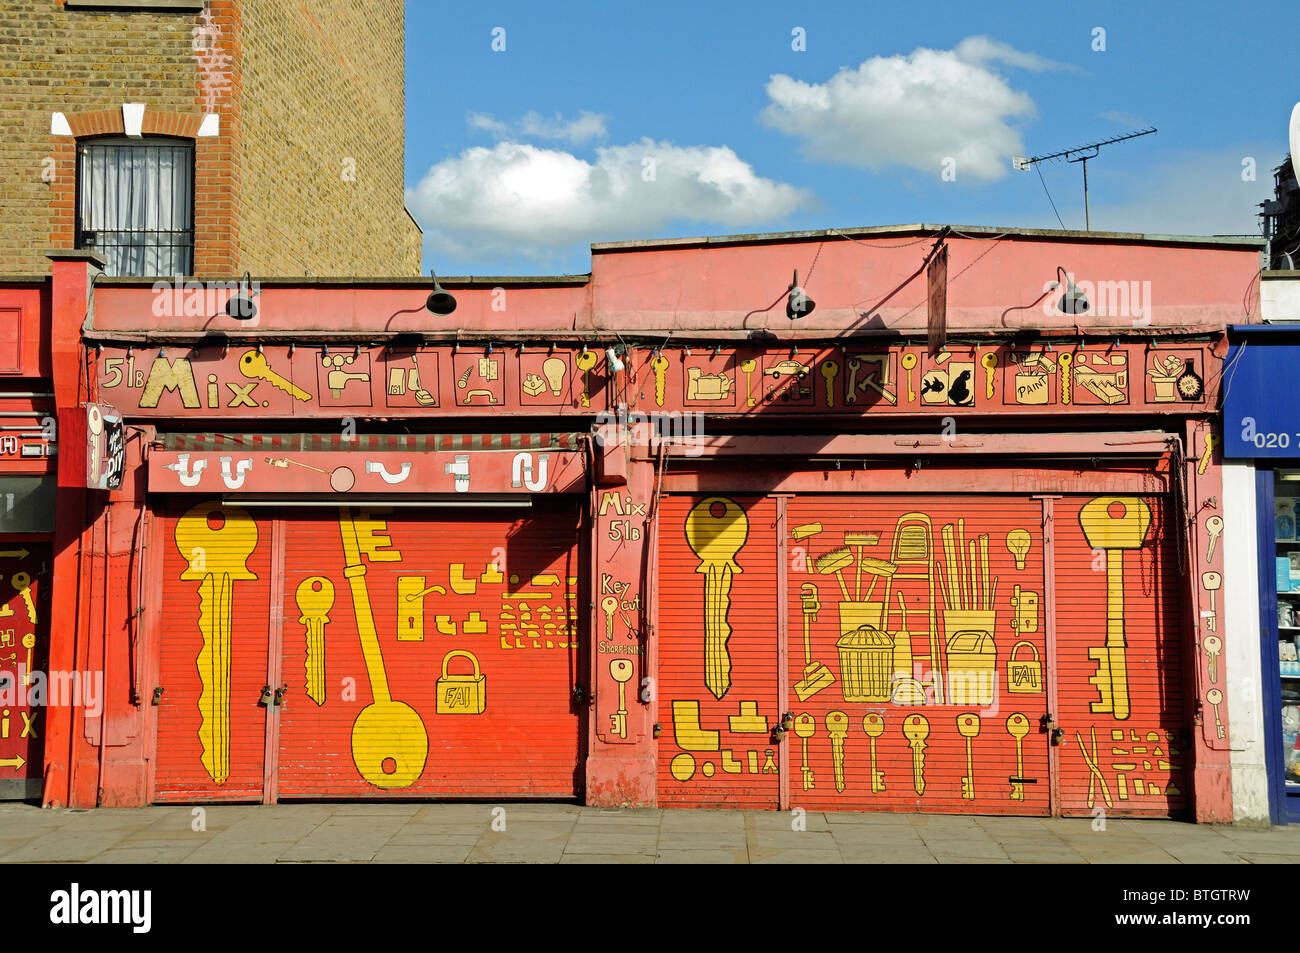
<point>1110,547</point>
<point>472,621</point>
<point>718,579</point>
<point>852,559</point>
<point>217,572</point>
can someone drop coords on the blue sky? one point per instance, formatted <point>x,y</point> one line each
<point>607,122</point>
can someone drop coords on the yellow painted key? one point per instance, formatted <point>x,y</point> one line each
<point>1115,524</point>
<point>217,540</point>
<point>23,586</point>
<point>315,598</point>
<point>716,529</point>
<point>252,364</point>
<point>585,362</point>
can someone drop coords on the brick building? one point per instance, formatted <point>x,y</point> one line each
<point>171,137</point>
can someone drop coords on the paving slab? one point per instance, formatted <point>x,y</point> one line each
<point>144,855</point>
<point>853,854</point>
<point>792,840</point>
<point>63,847</point>
<point>1267,858</point>
<point>703,840</point>
<point>687,820</point>
<point>737,856</point>
<point>795,857</point>
<point>569,858</point>
<point>541,853</point>
<point>422,854</point>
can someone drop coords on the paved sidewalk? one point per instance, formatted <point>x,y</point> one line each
<point>568,833</point>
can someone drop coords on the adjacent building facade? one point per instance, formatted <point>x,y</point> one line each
<point>639,537</point>
<point>168,139</point>
<point>184,138</point>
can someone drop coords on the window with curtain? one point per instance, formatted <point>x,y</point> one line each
<point>135,204</point>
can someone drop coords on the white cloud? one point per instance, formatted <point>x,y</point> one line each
<point>486,123</point>
<point>915,111</point>
<point>533,125</point>
<point>980,49</point>
<point>516,198</point>
<point>1124,119</point>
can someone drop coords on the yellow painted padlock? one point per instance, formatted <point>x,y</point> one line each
<point>461,694</point>
<point>1024,676</point>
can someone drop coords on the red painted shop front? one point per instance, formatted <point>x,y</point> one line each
<point>383,591</point>
<point>421,645</point>
<point>952,649</point>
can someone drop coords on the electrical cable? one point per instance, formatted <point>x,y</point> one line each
<point>1049,194</point>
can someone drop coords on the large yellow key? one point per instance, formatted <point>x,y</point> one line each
<point>1114,523</point>
<point>216,540</point>
<point>389,743</point>
<point>716,529</point>
<point>252,364</point>
<point>315,597</point>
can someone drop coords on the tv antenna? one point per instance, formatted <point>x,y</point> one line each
<point>1081,154</point>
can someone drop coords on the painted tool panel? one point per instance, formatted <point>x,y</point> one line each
<point>429,655</point>
<point>1119,657</point>
<point>718,652</point>
<point>917,654</point>
<point>25,689</point>
<point>214,633</point>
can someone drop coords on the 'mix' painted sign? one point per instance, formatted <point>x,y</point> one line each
<point>284,381</point>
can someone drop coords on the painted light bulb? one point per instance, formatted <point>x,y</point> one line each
<point>1018,541</point>
<point>554,369</point>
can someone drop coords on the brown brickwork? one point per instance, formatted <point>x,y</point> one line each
<point>311,82</point>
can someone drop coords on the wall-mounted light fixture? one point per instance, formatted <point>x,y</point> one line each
<point>797,303</point>
<point>1073,301</point>
<point>439,302</point>
<point>240,305</point>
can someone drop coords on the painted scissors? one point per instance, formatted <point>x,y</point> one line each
<point>1095,774</point>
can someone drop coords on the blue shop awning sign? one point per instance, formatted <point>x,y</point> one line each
<point>1261,402</point>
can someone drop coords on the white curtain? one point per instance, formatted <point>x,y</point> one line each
<point>137,197</point>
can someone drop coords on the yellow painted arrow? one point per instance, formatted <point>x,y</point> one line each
<point>15,762</point>
<point>19,553</point>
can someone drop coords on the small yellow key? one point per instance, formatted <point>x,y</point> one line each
<point>585,362</point>
<point>990,362</point>
<point>659,364</point>
<point>252,364</point>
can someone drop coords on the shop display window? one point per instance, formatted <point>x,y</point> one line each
<point>1286,508</point>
